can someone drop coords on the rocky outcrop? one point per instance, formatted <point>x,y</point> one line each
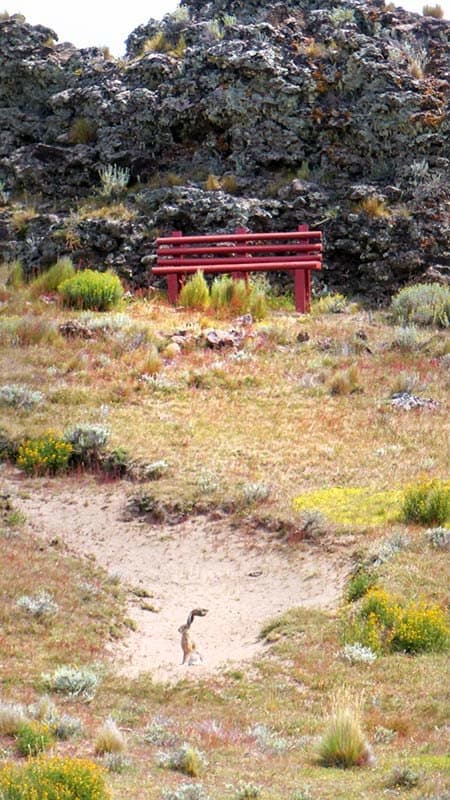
<point>333,115</point>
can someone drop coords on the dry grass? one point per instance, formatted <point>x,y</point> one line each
<point>267,418</point>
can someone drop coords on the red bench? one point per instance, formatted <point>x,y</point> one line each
<point>239,254</point>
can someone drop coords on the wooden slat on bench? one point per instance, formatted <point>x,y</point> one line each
<point>240,237</point>
<point>169,252</point>
<point>206,263</point>
<point>237,266</point>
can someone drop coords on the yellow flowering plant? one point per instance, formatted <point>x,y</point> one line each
<point>47,454</point>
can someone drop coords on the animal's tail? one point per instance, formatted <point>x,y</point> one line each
<point>197,612</point>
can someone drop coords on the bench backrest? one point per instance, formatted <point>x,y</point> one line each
<point>242,247</point>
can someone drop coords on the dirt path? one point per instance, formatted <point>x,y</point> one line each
<point>243,580</point>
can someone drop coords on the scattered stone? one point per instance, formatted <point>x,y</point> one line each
<point>74,328</point>
<point>407,401</point>
<point>303,336</point>
<point>218,339</point>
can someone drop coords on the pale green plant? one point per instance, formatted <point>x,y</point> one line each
<point>40,605</point>
<point>422,304</point>
<point>187,791</point>
<point>73,681</point>
<point>19,396</point>
<point>114,179</point>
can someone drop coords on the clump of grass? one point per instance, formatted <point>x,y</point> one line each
<point>374,207</point>
<point>45,455</point>
<point>344,744</point>
<point>12,716</point>
<point>212,183</point>
<point>195,293</point>
<point>405,382</point>
<point>28,330</point>
<point>73,681</point>
<point>329,304</point>
<point>39,606</point>
<point>435,11</point>
<point>93,290</point>
<point>422,304</point>
<point>427,503</point>
<point>187,759</point>
<point>49,280</point>
<point>33,737</point>
<point>82,131</point>
<point>19,396</point>
<point>43,778</point>
<point>109,739</point>
<point>346,382</point>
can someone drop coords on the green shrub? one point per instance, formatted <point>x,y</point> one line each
<point>359,584</point>
<point>329,304</point>
<point>47,454</point>
<point>89,289</point>
<point>195,292</point>
<point>427,503</point>
<point>423,304</point>
<point>53,778</point>
<point>33,738</point>
<point>343,743</point>
<point>49,280</point>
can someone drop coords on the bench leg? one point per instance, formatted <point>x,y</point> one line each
<point>302,290</point>
<point>172,288</point>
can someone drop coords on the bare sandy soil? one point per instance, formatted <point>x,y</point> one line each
<point>242,579</point>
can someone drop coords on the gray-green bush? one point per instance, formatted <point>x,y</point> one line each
<point>423,304</point>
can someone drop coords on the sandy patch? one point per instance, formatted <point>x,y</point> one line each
<point>242,579</point>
